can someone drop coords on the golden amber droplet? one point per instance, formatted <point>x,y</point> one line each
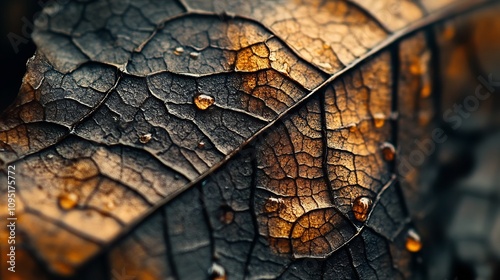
<point>378,120</point>
<point>227,216</point>
<point>415,68</point>
<point>178,51</point>
<point>217,272</point>
<point>353,128</point>
<point>201,145</point>
<point>425,92</point>
<point>145,138</point>
<point>68,201</point>
<point>413,242</point>
<point>110,205</point>
<point>361,208</point>
<point>388,151</point>
<point>272,204</point>
<point>194,55</point>
<point>203,101</point>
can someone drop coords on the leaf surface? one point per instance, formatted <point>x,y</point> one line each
<point>111,146</point>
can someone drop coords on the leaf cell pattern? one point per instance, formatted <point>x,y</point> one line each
<point>259,182</point>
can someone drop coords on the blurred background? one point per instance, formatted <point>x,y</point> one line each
<point>461,223</point>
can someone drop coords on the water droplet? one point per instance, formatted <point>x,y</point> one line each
<point>413,242</point>
<point>145,138</point>
<point>178,51</point>
<point>416,68</point>
<point>68,201</point>
<point>227,216</point>
<point>201,145</point>
<point>177,177</point>
<point>379,120</point>
<point>217,272</point>
<point>203,101</point>
<point>425,92</point>
<point>361,208</point>
<point>388,151</point>
<point>273,204</point>
<point>110,205</point>
<point>50,156</point>
<point>194,55</point>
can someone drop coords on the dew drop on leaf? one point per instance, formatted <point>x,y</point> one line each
<point>201,145</point>
<point>413,242</point>
<point>145,138</point>
<point>379,120</point>
<point>68,201</point>
<point>416,68</point>
<point>353,128</point>
<point>203,101</point>
<point>388,151</point>
<point>110,205</point>
<point>178,51</point>
<point>227,216</point>
<point>272,204</point>
<point>217,272</point>
<point>194,55</point>
<point>425,92</point>
<point>361,208</point>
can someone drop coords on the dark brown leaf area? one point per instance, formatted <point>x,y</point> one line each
<point>222,139</point>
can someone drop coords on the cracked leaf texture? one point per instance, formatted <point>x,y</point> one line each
<point>300,97</point>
